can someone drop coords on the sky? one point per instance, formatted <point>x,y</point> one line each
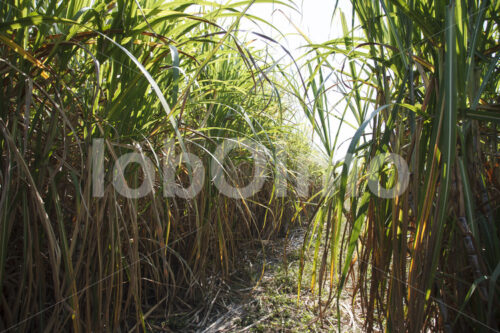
<point>314,19</point>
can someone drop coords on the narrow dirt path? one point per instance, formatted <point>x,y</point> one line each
<point>268,302</point>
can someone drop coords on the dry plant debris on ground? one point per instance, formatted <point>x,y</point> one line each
<point>267,301</point>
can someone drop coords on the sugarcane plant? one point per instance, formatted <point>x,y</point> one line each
<point>87,82</point>
<point>422,80</point>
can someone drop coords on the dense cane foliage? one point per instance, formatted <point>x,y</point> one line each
<point>422,79</point>
<point>136,74</point>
